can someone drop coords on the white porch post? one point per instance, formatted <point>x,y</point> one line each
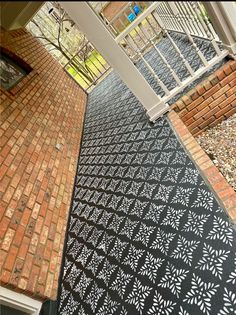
<point>223,18</point>
<point>101,38</point>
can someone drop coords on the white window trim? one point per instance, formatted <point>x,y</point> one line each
<point>19,301</point>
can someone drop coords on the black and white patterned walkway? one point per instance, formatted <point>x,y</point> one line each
<point>146,235</point>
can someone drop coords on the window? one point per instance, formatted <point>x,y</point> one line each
<point>6,310</point>
<point>14,303</point>
<point>10,72</point>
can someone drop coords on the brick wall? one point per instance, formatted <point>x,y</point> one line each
<point>210,102</point>
<point>36,177</point>
<point>114,8</point>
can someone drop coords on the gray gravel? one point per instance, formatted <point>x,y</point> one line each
<point>219,143</point>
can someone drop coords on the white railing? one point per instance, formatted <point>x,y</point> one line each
<point>189,18</point>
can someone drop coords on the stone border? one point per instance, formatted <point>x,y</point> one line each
<point>224,193</point>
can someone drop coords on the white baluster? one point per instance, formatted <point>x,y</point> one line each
<point>191,18</point>
<point>201,31</point>
<point>162,85</point>
<point>206,29</point>
<point>186,30</point>
<point>208,23</point>
<point>186,63</point>
<point>175,76</point>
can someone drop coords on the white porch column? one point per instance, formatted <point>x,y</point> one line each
<point>223,18</point>
<point>101,38</point>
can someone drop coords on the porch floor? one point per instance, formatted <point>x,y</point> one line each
<point>146,235</point>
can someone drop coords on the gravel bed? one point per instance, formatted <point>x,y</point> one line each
<point>219,143</point>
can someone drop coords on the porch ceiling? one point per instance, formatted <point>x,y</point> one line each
<point>16,14</point>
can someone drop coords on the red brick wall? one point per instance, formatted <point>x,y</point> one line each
<point>36,177</point>
<point>114,8</point>
<point>210,102</point>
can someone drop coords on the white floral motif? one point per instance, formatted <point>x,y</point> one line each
<point>115,223</point>
<point>84,254</point>
<point>201,294</point>
<point>229,303</point>
<point>190,176</point>
<point>142,173</point>
<point>154,213</point>
<point>232,276</point>
<point>185,250</point>
<point>212,260</point>
<point>109,307</point>
<point>162,241</point>
<point>173,217</point>
<point>163,193</point>
<point>70,307</point>
<point>85,231</point>
<point>172,175</point>
<point>77,224</point>
<point>134,188</point>
<point>182,195</point>
<point>105,242</point>
<point>107,271</point>
<point>138,208</point>
<point>94,296</point>
<point>112,185</point>
<point>121,281</point>
<point>67,267</point>
<point>72,276</point>
<point>144,233</point>
<point>161,306</point>
<point>173,279</point>
<point>157,173</point>
<point>82,285</point>
<point>94,263</point>
<point>133,257</point>
<point>104,199</point>
<point>164,158</point>
<point>138,295</point>
<point>195,223</point>
<point>131,171</point>
<point>122,186</point>
<point>151,266</point>
<point>75,249</point>
<point>157,144</point>
<point>95,215</point>
<point>104,219</point>
<point>63,296</point>
<point>204,199</point>
<point>150,159</point>
<point>94,237</point>
<point>128,228</point>
<point>117,249</point>
<point>125,205</point>
<point>182,311</point>
<point>180,158</point>
<point>147,190</point>
<point>221,231</point>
